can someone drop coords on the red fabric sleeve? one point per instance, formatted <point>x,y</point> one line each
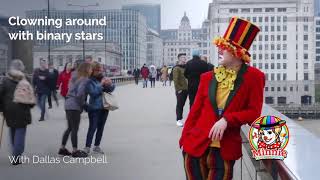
<point>254,105</point>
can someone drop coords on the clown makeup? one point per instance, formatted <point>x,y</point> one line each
<point>269,136</point>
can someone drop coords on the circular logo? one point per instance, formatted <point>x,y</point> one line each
<point>269,133</point>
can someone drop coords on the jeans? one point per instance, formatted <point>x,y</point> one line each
<point>181,101</point>
<point>153,82</point>
<point>145,82</point>
<point>54,94</point>
<point>17,139</point>
<point>42,104</point>
<point>136,79</point>
<point>97,120</point>
<point>73,117</point>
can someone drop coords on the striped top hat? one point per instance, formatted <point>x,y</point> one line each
<point>238,38</point>
<point>268,122</point>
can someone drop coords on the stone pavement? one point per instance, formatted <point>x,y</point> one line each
<point>140,141</point>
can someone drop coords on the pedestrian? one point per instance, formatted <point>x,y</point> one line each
<point>158,74</point>
<point>170,70</point>
<point>145,75</point>
<point>97,85</point>
<point>136,74</point>
<point>194,68</point>
<point>153,76</point>
<point>74,105</point>
<point>53,79</point>
<point>41,83</point>
<point>164,75</point>
<point>228,97</point>
<point>205,59</point>
<point>63,79</point>
<point>17,115</point>
<point>181,87</point>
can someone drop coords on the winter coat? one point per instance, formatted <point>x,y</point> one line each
<point>76,97</point>
<point>53,78</point>
<point>153,73</point>
<point>164,72</point>
<point>63,82</point>
<point>136,73</point>
<point>95,91</point>
<point>145,72</point>
<point>194,68</point>
<point>16,115</point>
<point>180,82</point>
<point>41,81</point>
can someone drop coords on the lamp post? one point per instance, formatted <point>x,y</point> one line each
<point>83,6</point>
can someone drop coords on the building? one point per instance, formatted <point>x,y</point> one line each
<point>284,49</point>
<point>107,54</point>
<point>125,27</point>
<point>183,40</point>
<point>154,49</point>
<point>152,12</point>
<point>317,7</point>
<point>4,49</point>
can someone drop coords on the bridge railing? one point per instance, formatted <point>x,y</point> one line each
<point>302,159</point>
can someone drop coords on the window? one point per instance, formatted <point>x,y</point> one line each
<point>266,56</point>
<point>278,66</point>
<point>284,88</point>
<point>266,66</point>
<point>305,56</point>
<point>278,20</point>
<point>272,37</point>
<point>254,19</point>
<point>278,56</point>
<point>272,77</point>
<point>266,37</point>
<point>284,77</point>
<point>305,65</point>
<point>245,10</point>
<point>306,88</point>
<point>254,65</point>
<point>272,28</point>
<point>272,65</point>
<point>260,19</point>
<point>278,38</point>
<point>266,28</point>
<point>291,89</point>
<point>257,10</point>
<point>284,37</point>
<point>318,58</point>
<point>305,28</point>
<point>317,44</point>
<point>269,9</point>
<point>279,47</point>
<point>305,47</point>
<point>282,9</point>
<point>272,19</point>
<point>267,76</point>
<point>284,18</point>
<point>266,19</point>
<point>284,56</point>
<point>305,76</point>
<point>254,56</point>
<point>269,100</point>
<point>260,37</point>
<point>284,47</point>
<point>284,65</point>
<point>272,56</point>
<point>272,88</point>
<point>260,56</point>
<point>254,47</point>
<point>284,28</point>
<point>266,89</point>
<point>278,28</point>
<point>278,89</point>
<point>272,46</point>
<point>305,37</point>
<point>260,65</point>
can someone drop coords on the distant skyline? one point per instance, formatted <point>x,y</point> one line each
<point>171,10</point>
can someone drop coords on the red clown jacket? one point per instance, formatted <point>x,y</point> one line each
<point>243,106</point>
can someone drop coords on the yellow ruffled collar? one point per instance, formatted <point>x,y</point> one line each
<point>225,76</point>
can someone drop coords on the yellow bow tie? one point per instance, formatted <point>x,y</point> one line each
<point>225,76</point>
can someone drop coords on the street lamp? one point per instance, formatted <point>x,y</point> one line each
<point>83,6</point>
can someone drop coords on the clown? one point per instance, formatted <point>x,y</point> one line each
<point>228,97</point>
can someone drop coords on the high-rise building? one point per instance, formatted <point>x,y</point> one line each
<point>283,50</point>
<point>183,40</point>
<point>317,7</point>
<point>152,12</point>
<point>154,49</point>
<point>128,28</point>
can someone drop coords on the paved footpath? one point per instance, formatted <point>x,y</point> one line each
<point>140,141</point>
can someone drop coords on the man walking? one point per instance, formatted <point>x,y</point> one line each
<point>41,85</point>
<point>194,68</point>
<point>53,79</point>
<point>136,74</point>
<point>181,87</point>
<point>145,75</point>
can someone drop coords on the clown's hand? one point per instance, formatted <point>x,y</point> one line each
<point>217,130</point>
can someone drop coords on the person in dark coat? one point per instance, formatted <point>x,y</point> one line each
<point>53,79</point>
<point>16,115</point>
<point>194,68</point>
<point>136,74</point>
<point>205,59</point>
<point>41,84</point>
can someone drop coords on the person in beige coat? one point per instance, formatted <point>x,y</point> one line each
<point>164,75</point>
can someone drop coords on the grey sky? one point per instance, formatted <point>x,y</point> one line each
<point>172,10</point>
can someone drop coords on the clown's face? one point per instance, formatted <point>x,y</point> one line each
<point>268,136</point>
<point>226,58</point>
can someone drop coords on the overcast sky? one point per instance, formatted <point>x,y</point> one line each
<point>171,10</point>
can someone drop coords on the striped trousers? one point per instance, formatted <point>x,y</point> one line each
<point>210,166</point>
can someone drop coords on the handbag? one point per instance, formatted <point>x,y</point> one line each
<point>109,102</point>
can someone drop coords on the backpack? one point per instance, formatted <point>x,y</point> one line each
<point>24,93</point>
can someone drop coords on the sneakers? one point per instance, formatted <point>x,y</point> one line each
<point>179,123</point>
<point>86,150</point>
<point>80,154</point>
<point>97,150</point>
<point>64,152</point>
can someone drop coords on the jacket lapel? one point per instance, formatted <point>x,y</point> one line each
<point>214,84</point>
<point>237,84</point>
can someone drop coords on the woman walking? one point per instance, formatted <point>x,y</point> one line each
<point>74,104</point>
<point>153,76</point>
<point>164,76</point>
<point>63,80</point>
<point>97,114</point>
<point>17,115</point>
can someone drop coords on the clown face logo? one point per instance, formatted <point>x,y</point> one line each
<point>269,135</point>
